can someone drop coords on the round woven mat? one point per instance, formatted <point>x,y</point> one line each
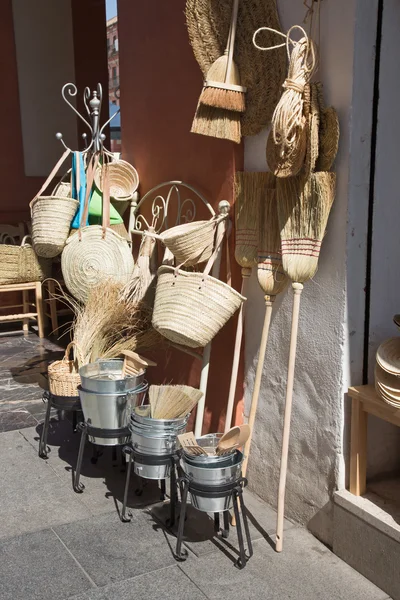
<point>261,72</point>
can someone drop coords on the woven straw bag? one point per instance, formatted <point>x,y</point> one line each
<point>96,253</point>
<point>20,264</point>
<point>191,243</point>
<point>63,374</point>
<point>51,218</point>
<point>123,180</point>
<point>190,308</point>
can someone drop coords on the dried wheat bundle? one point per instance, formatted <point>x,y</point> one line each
<point>304,205</point>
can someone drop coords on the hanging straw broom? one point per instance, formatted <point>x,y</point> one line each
<point>211,118</point>
<point>144,272</point>
<point>222,87</point>
<point>250,192</point>
<point>273,281</point>
<point>303,210</point>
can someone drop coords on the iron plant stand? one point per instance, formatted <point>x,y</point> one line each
<point>151,460</point>
<point>235,490</point>
<point>70,403</point>
<point>86,430</point>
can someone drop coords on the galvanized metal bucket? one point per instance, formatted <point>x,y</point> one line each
<point>156,437</point>
<point>210,441</point>
<point>213,478</point>
<point>109,411</point>
<point>105,377</point>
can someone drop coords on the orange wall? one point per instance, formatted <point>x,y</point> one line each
<point>160,84</point>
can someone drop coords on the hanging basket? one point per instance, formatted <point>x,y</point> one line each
<point>51,218</point>
<point>190,308</point>
<point>191,243</point>
<point>20,264</point>
<point>64,377</point>
<point>123,178</point>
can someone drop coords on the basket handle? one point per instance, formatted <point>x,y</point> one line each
<point>91,170</point>
<point>51,176</point>
<point>221,231</point>
<point>24,241</point>
<point>78,353</point>
<point>106,199</point>
<point>68,172</point>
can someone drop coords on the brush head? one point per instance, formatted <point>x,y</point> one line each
<point>219,93</point>
<point>172,401</point>
<point>303,210</point>
<point>217,122</point>
<point>250,190</point>
<point>270,273</point>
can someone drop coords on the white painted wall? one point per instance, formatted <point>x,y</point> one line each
<point>316,457</point>
<point>45,61</point>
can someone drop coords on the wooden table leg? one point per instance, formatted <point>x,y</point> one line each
<point>25,303</point>
<point>358,452</point>
<point>40,309</point>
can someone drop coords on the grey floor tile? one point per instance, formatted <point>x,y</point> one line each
<point>17,418</point>
<point>104,481</point>
<point>199,533</point>
<point>166,584</point>
<point>113,551</point>
<point>36,566</point>
<point>32,496</point>
<point>305,570</point>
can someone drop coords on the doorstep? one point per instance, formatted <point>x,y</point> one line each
<point>366,535</point>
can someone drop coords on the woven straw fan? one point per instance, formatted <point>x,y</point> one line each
<point>273,281</point>
<point>303,210</point>
<point>250,190</point>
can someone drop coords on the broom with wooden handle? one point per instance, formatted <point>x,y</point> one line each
<point>250,189</point>
<point>273,281</point>
<point>303,210</point>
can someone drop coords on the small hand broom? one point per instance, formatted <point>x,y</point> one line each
<point>303,211</point>
<point>222,87</point>
<point>210,118</point>
<point>250,193</point>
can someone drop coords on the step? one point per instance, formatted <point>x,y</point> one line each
<point>366,535</point>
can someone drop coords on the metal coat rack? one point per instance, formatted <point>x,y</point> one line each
<point>93,101</point>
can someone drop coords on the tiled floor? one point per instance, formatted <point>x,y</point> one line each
<point>59,545</point>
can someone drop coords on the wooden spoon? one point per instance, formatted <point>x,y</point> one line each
<point>229,441</point>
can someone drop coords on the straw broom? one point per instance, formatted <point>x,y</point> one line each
<point>250,191</point>
<point>222,87</point>
<point>144,272</point>
<point>303,211</point>
<point>273,281</point>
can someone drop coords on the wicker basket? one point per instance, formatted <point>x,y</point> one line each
<point>64,377</point>
<point>191,243</point>
<point>124,180</point>
<point>190,308</point>
<point>20,264</point>
<point>51,218</point>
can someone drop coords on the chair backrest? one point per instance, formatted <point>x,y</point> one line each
<point>11,233</point>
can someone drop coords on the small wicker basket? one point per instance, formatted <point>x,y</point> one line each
<point>191,243</point>
<point>20,264</point>
<point>123,180</point>
<point>64,377</point>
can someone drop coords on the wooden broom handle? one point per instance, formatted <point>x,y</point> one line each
<point>246,273</point>
<point>297,289</point>
<point>232,35</point>
<point>257,382</point>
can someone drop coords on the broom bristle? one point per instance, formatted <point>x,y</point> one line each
<point>270,273</point>
<point>220,97</point>
<point>250,190</point>
<point>173,401</point>
<point>303,210</point>
<point>217,122</point>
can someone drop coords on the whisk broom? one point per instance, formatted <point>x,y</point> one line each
<point>222,87</point>
<point>144,271</point>
<point>250,191</point>
<point>172,401</point>
<point>303,211</point>
<point>273,281</point>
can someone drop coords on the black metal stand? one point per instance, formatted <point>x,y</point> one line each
<point>151,460</point>
<point>86,430</point>
<point>71,403</point>
<point>235,490</point>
